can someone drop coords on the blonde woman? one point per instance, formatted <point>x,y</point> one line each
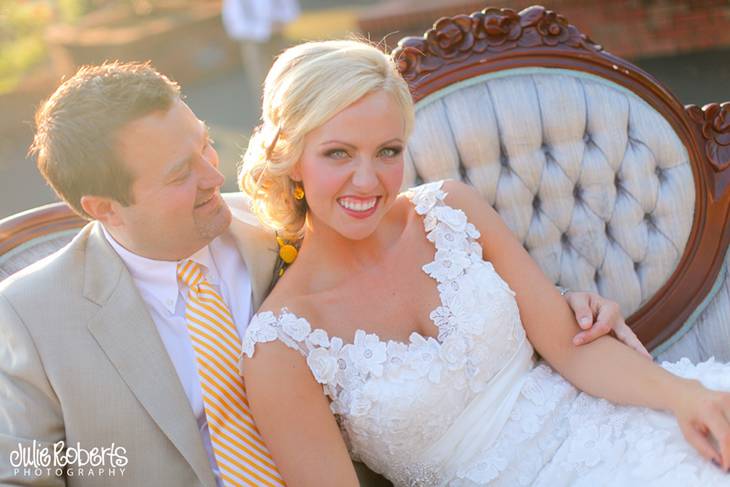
<point>404,332</point>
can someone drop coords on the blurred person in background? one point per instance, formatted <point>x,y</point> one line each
<point>252,23</point>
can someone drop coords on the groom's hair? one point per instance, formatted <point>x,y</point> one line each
<point>76,128</point>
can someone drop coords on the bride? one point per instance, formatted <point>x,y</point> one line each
<point>405,332</point>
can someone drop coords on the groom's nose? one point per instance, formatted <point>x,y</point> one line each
<point>211,177</point>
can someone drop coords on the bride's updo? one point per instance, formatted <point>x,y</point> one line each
<point>307,85</point>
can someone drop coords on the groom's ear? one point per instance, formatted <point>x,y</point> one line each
<point>102,209</point>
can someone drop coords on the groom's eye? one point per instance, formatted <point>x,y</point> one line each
<point>180,177</point>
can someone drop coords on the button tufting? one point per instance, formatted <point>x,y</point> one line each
<point>536,202</point>
<point>609,234</point>
<point>503,159</point>
<point>578,192</point>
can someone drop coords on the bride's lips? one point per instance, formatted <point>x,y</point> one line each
<point>358,206</point>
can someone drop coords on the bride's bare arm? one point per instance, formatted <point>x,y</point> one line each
<point>605,367</point>
<point>293,415</point>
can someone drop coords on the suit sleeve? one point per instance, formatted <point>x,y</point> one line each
<point>29,408</point>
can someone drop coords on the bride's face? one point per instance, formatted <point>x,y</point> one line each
<point>351,167</point>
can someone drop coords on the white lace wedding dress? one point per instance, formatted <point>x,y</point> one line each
<point>471,407</point>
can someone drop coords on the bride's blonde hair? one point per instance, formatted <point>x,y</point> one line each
<point>307,85</point>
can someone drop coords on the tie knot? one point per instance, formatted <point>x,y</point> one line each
<point>190,273</point>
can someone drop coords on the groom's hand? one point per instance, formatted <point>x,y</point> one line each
<point>598,316</point>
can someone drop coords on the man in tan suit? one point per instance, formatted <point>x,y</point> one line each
<point>94,352</point>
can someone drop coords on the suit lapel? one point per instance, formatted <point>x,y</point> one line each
<point>125,331</point>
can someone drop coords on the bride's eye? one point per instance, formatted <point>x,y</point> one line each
<point>390,152</point>
<point>337,154</point>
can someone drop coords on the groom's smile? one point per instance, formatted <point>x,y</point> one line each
<point>210,202</point>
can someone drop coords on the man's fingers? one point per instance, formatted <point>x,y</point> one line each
<point>581,307</point>
<point>628,337</point>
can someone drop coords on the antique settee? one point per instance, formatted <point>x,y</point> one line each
<point>611,184</point>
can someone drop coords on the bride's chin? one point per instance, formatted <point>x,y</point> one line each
<point>357,236</point>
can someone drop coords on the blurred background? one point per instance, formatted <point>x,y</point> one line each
<point>219,50</point>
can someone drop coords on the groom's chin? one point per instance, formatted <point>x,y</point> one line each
<point>214,224</point>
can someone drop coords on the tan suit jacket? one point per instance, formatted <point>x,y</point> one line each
<point>81,361</point>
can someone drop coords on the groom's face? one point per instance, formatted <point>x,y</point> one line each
<point>177,205</point>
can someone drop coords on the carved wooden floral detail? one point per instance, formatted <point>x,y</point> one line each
<point>454,39</point>
<point>714,122</point>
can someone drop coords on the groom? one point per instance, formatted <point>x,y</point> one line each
<point>105,367</point>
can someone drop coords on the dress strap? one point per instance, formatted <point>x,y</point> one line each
<point>265,327</point>
<point>454,237</point>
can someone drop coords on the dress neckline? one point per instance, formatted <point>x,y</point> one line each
<point>425,198</point>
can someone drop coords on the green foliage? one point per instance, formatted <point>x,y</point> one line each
<point>23,22</point>
<point>71,10</point>
<point>21,38</point>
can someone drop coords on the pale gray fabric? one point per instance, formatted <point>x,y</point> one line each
<point>707,334</point>
<point>590,178</point>
<point>32,251</point>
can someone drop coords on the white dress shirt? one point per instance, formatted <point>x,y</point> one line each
<point>165,298</point>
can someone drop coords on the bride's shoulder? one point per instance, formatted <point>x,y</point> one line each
<point>281,303</point>
<point>454,193</point>
<point>277,322</point>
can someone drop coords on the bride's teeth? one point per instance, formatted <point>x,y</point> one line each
<point>357,205</point>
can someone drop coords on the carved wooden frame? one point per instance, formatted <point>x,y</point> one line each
<point>465,46</point>
<point>20,228</point>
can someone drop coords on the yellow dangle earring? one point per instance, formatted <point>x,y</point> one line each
<point>299,192</point>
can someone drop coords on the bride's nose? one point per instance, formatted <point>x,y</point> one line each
<point>365,177</point>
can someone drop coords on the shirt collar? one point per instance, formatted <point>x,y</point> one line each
<point>159,277</point>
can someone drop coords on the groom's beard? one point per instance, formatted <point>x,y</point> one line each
<point>212,222</point>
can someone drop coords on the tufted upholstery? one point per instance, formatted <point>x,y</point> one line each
<point>32,251</point>
<point>707,331</point>
<point>589,177</point>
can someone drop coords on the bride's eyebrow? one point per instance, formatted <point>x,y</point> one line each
<point>338,142</point>
<point>397,139</point>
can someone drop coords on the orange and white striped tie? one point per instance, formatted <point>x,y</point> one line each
<point>242,457</point>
